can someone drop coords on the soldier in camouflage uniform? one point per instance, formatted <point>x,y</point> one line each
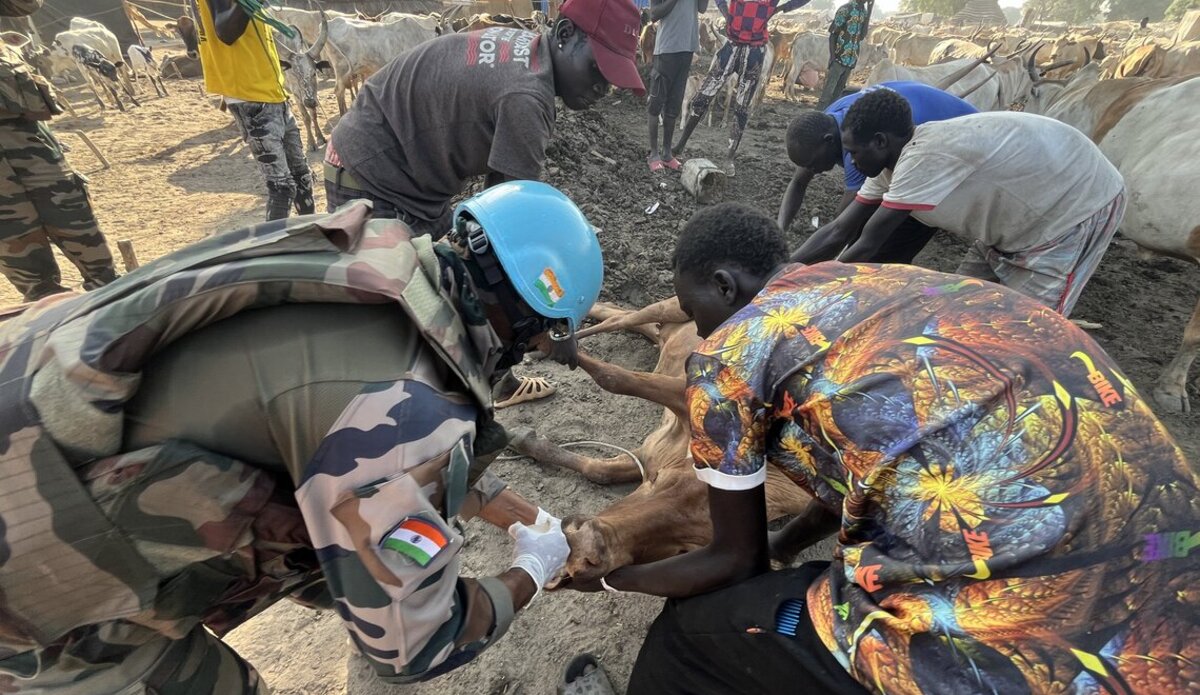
<point>280,411</point>
<point>42,199</point>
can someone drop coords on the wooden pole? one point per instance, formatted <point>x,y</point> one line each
<point>92,146</point>
<point>128,257</point>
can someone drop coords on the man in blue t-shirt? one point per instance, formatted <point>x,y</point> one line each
<point>814,144</point>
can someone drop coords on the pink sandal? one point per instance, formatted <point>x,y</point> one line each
<point>673,164</point>
<point>656,165</point>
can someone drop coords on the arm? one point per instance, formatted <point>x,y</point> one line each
<point>385,545</point>
<point>874,234</point>
<point>811,526</point>
<point>495,178</point>
<point>229,20</point>
<point>794,197</point>
<point>737,552</point>
<point>839,18</point>
<point>791,5</point>
<point>847,198</point>
<point>826,242</point>
<point>723,8</point>
<point>661,9</point>
<point>524,124</point>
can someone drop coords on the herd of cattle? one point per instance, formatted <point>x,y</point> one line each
<point>1133,92</point>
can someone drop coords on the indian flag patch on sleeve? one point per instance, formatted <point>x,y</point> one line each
<point>547,284</point>
<point>417,539</point>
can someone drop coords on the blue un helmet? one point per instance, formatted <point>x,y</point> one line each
<point>546,247</point>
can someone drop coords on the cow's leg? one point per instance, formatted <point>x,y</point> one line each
<point>312,113</point>
<point>1170,393</point>
<point>340,82</point>
<point>664,390</point>
<point>643,320</point>
<point>618,469</point>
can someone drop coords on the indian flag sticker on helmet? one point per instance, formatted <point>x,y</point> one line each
<point>547,284</point>
<point>417,539</point>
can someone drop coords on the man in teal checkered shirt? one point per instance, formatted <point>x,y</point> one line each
<point>847,31</point>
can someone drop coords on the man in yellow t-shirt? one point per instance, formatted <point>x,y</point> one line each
<point>243,67</point>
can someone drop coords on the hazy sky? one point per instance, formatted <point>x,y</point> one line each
<point>893,5</point>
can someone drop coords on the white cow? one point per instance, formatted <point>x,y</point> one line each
<point>300,62</point>
<point>360,48</point>
<point>810,59</point>
<point>94,35</point>
<point>142,62</point>
<point>1147,129</point>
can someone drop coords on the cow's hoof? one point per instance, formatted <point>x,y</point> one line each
<point>520,438</point>
<point>1171,399</point>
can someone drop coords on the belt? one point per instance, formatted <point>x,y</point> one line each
<point>342,178</point>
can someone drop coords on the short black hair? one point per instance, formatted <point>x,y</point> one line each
<point>879,111</point>
<point>806,130</point>
<point>730,233</point>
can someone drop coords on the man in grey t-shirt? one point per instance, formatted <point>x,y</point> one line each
<point>471,104</point>
<point>676,41</point>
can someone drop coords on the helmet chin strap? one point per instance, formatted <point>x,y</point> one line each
<point>524,325</point>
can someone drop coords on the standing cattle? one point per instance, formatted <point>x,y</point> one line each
<point>668,513</point>
<point>94,35</point>
<point>361,48</point>
<point>810,60</point>
<point>141,62</point>
<point>300,64</point>
<point>100,74</point>
<point>1144,126</point>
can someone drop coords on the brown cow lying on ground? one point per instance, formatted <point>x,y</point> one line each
<point>668,513</point>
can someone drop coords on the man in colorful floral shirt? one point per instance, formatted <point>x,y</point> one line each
<point>742,55</point>
<point>1010,515</point>
<point>847,31</point>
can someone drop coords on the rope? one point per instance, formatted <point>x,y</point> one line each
<point>586,442</point>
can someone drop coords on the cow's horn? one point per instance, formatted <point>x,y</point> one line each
<point>1042,70</point>
<point>982,82</point>
<point>1020,47</point>
<point>959,74</point>
<point>314,51</point>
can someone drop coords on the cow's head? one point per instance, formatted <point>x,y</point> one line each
<point>185,27</point>
<point>302,62</point>
<point>665,516</point>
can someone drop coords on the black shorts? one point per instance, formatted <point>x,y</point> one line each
<point>668,82</point>
<point>726,642</point>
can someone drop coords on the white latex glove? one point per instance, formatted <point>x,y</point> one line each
<point>542,549</point>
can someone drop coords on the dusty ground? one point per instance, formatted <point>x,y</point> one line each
<point>180,172</point>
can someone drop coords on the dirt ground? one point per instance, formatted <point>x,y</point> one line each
<point>180,172</point>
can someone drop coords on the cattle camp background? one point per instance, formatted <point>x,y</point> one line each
<point>174,170</point>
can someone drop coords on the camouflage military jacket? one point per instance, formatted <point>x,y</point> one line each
<point>67,368</point>
<point>23,92</point>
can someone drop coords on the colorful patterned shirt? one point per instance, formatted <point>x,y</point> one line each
<point>1014,517</point>
<point>747,19</point>
<point>847,30</point>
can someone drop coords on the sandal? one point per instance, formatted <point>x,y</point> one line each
<point>585,676</point>
<point>673,164</point>
<point>656,165</point>
<point>531,388</point>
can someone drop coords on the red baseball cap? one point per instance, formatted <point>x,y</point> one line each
<point>613,27</point>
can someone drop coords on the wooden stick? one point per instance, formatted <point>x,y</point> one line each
<point>608,160</point>
<point>95,150</point>
<point>128,257</point>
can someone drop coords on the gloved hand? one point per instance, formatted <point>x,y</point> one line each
<point>542,548</point>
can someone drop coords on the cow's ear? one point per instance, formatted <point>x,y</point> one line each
<point>119,63</point>
<point>324,65</point>
<point>286,65</point>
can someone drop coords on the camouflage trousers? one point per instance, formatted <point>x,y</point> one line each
<point>146,663</point>
<point>44,201</point>
<point>274,138</point>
